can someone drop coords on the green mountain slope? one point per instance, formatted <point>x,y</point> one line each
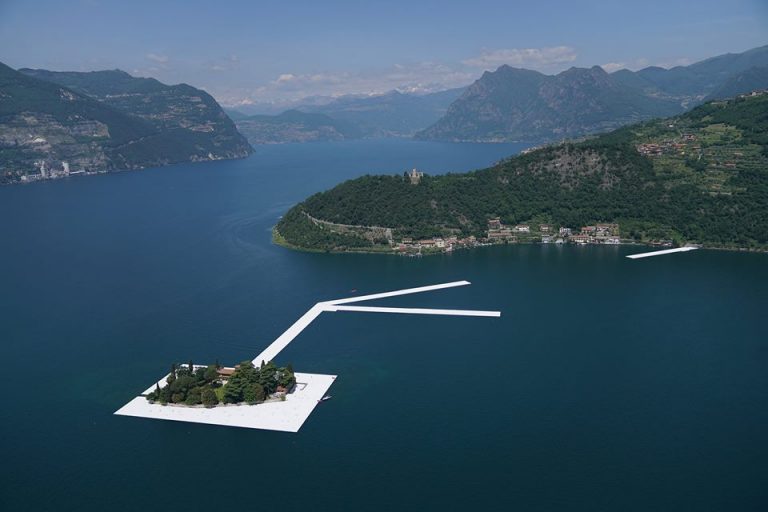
<point>99,84</point>
<point>695,81</point>
<point>518,104</point>
<point>189,115</point>
<point>752,79</point>
<point>699,177</point>
<point>45,122</point>
<point>523,105</point>
<point>42,121</point>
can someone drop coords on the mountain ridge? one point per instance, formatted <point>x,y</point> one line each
<point>393,114</point>
<point>294,126</point>
<point>512,104</point>
<point>104,121</point>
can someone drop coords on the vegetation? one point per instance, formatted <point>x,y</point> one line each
<point>707,183</point>
<point>204,386</point>
<point>107,120</point>
<point>294,126</point>
<point>519,104</point>
<point>252,385</point>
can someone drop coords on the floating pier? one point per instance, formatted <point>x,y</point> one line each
<point>288,415</point>
<point>659,253</point>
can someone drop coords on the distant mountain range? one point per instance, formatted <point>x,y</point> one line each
<point>109,120</point>
<point>750,80</point>
<point>513,104</point>
<point>106,120</point>
<point>293,126</point>
<point>393,114</point>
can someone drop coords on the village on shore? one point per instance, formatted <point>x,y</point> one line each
<point>499,233</point>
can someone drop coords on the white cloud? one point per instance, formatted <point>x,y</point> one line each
<point>643,62</point>
<point>682,61</point>
<point>523,57</point>
<point>610,67</point>
<point>285,78</point>
<point>292,85</point>
<point>417,78</point>
<point>159,59</point>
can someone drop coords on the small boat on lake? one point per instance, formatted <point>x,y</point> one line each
<point>326,397</point>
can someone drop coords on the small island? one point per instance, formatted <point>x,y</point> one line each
<point>209,386</point>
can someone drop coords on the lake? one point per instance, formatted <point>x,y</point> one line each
<point>607,384</point>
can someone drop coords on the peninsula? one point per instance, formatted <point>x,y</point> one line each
<point>695,178</point>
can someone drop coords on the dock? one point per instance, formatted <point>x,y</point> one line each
<point>659,253</point>
<point>288,415</point>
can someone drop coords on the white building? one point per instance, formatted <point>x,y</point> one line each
<point>415,176</point>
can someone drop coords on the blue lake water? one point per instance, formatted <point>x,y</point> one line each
<point>608,384</point>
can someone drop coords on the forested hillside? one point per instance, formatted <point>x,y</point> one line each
<point>107,120</point>
<point>699,177</point>
<point>294,126</point>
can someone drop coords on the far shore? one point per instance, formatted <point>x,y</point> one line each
<point>277,239</point>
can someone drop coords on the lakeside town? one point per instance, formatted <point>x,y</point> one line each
<point>50,172</point>
<point>499,233</point>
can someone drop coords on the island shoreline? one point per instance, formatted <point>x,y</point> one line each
<point>278,240</point>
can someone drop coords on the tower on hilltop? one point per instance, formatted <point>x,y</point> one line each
<point>415,176</point>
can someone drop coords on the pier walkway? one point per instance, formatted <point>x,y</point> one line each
<point>288,415</point>
<point>659,253</point>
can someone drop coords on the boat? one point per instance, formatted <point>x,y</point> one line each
<point>326,397</point>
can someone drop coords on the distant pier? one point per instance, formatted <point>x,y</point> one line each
<point>659,253</point>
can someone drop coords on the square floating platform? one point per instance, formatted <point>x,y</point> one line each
<point>283,416</point>
<point>288,415</point>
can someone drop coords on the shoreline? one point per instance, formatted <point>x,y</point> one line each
<point>106,171</point>
<point>278,240</point>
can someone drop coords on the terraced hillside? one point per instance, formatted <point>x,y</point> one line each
<point>699,177</point>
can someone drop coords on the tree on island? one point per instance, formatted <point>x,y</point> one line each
<point>172,375</point>
<point>209,398</point>
<point>253,394</point>
<point>189,386</point>
<point>211,373</point>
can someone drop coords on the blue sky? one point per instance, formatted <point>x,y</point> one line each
<point>278,51</point>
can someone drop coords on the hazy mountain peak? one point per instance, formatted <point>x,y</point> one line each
<point>518,104</point>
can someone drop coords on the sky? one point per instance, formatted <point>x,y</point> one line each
<point>260,51</point>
